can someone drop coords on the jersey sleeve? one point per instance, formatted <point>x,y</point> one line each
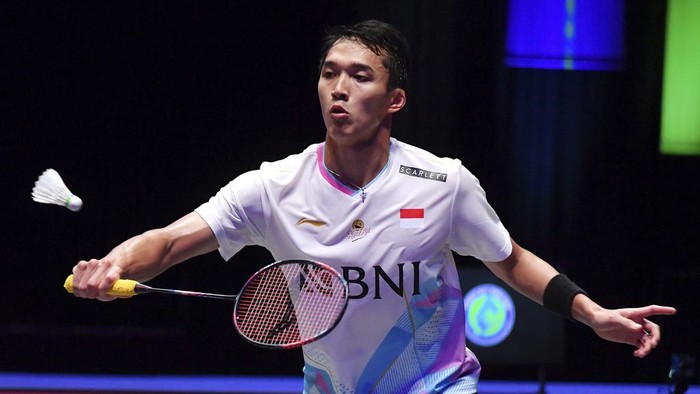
<point>230,214</point>
<point>476,229</point>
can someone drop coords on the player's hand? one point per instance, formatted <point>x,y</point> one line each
<point>94,278</point>
<point>630,326</point>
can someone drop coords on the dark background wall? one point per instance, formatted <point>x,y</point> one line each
<point>147,108</point>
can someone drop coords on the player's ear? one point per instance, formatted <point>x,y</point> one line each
<point>398,100</point>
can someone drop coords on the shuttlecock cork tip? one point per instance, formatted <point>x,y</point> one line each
<point>74,203</point>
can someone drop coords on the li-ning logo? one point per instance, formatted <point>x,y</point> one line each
<point>420,173</point>
<point>357,231</point>
<point>315,223</point>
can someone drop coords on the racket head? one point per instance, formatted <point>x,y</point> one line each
<point>290,303</point>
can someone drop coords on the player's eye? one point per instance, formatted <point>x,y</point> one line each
<point>361,77</point>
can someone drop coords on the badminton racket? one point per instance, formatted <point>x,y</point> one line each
<point>284,305</point>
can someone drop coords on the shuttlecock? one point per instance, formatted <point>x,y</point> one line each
<point>50,189</point>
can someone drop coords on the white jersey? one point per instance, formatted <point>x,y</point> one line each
<point>403,330</point>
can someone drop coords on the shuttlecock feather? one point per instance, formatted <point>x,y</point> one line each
<point>50,189</point>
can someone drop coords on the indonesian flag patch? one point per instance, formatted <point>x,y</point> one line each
<point>412,217</point>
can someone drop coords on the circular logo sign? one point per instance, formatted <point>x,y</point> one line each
<point>489,315</point>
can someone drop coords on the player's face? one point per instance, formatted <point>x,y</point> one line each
<point>353,92</point>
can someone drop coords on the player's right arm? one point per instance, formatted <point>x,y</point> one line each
<point>144,256</point>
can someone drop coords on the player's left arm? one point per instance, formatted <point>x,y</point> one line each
<point>524,272</point>
<point>530,275</point>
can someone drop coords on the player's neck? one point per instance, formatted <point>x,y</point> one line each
<point>357,164</point>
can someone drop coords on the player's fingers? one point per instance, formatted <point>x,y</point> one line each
<point>644,346</point>
<point>650,337</point>
<point>642,350</point>
<point>664,310</point>
<point>80,268</point>
<point>103,279</point>
<point>651,310</point>
<point>81,271</point>
<point>93,278</point>
<point>652,332</point>
<point>89,283</point>
<point>109,278</point>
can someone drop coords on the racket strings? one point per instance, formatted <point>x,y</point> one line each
<point>261,303</point>
<point>290,304</point>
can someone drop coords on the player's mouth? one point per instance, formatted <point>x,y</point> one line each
<point>337,112</point>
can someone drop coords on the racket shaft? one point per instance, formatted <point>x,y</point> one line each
<point>142,289</point>
<point>129,288</point>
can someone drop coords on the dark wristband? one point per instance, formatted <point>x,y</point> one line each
<point>559,295</point>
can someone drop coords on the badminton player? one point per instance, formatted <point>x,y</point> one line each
<point>385,214</point>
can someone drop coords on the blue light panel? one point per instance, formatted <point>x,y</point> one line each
<point>566,34</point>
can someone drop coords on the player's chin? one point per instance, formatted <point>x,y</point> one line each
<point>339,127</point>
<point>343,134</point>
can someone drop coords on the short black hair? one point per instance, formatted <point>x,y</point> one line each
<point>381,38</point>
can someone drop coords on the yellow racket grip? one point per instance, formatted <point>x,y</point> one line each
<point>121,288</point>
